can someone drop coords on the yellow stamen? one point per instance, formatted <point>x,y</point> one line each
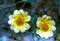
<point>19,20</point>
<point>44,26</point>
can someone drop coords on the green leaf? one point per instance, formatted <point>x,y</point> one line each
<point>32,20</point>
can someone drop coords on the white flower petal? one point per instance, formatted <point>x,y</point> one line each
<point>51,34</point>
<point>52,23</point>
<point>39,18</point>
<point>10,21</point>
<point>16,30</point>
<point>28,18</point>
<point>39,33</point>
<point>46,35</point>
<point>16,12</point>
<point>21,11</point>
<point>38,23</point>
<point>12,27</point>
<point>26,13</point>
<point>22,29</point>
<point>11,17</point>
<point>27,26</point>
<point>53,28</point>
<point>48,18</point>
<point>44,17</point>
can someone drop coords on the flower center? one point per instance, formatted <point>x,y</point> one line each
<point>44,27</point>
<point>19,20</point>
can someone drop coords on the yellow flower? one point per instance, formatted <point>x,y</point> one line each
<point>19,21</point>
<point>46,26</point>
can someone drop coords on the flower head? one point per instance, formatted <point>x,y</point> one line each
<point>19,21</point>
<point>46,26</point>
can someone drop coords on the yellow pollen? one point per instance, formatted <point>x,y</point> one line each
<point>20,20</point>
<point>44,27</point>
